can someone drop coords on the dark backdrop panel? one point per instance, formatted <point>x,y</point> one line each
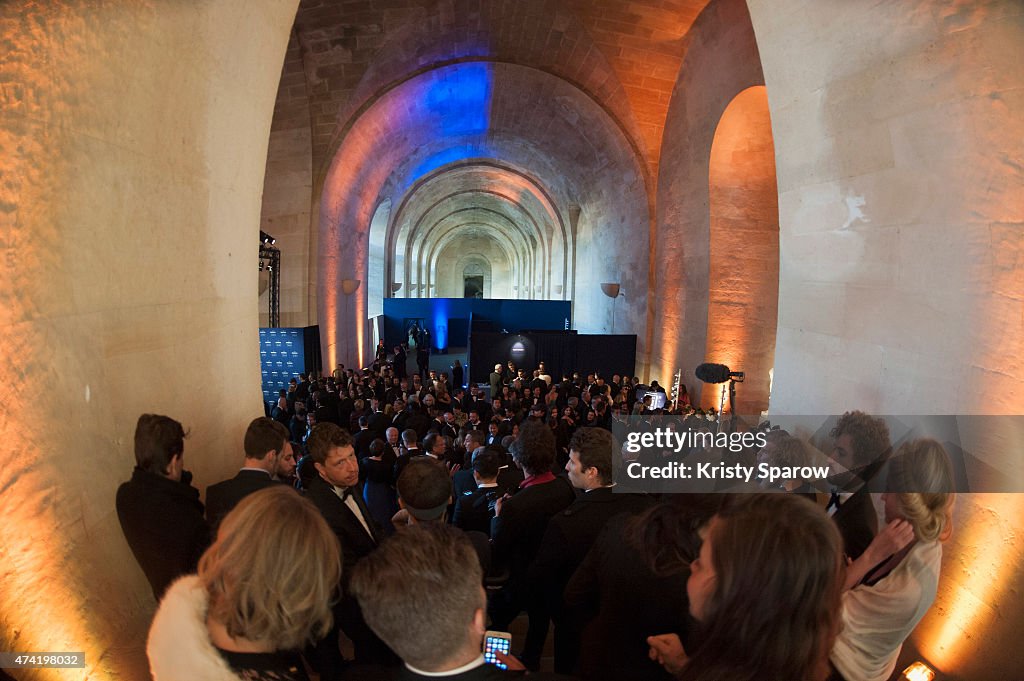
<point>561,352</point>
<point>311,343</point>
<point>447,318</point>
<point>557,349</point>
<point>606,355</point>
<point>488,348</point>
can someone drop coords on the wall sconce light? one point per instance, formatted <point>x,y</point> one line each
<point>918,671</point>
<point>349,286</point>
<point>613,291</point>
<point>395,288</point>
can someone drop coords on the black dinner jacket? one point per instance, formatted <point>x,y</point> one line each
<point>355,542</point>
<point>362,440</point>
<point>857,522</point>
<point>474,509</point>
<point>225,495</point>
<point>516,533</point>
<point>571,533</point>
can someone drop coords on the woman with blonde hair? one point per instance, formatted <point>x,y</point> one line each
<point>263,590</point>
<point>893,583</point>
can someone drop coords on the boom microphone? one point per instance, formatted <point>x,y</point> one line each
<point>713,373</point>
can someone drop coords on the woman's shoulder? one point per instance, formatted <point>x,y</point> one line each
<point>179,644</point>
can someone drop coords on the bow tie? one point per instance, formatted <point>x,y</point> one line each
<point>833,499</point>
<point>346,493</point>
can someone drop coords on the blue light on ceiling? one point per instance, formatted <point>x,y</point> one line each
<point>461,99</point>
<point>459,106</point>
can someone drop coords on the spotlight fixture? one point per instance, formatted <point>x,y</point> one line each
<point>266,239</point>
<point>918,671</point>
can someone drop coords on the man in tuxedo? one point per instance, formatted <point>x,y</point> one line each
<point>493,432</point>
<point>861,447</point>
<point>495,381</point>
<point>474,508</point>
<point>393,447</point>
<point>410,448</point>
<point>518,528</point>
<point>571,533</point>
<point>438,632</point>
<point>266,442</point>
<point>336,493</point>
<point>378,422</point>
<point>474,422</point>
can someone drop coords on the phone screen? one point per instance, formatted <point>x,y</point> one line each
<point>493,644</point>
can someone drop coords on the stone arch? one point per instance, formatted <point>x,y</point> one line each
<point>721,61</point>
<point>378,286</point>
<point>743,287</point>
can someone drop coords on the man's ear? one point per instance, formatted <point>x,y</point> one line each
<point>479,621</point>
<point>175,466</point>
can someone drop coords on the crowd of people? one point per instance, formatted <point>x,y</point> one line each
<point>412,516</point>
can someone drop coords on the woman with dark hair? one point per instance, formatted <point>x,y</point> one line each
<point>765,591</point>
<point>633,579</point>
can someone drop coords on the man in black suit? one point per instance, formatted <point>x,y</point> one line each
<point>438,632</point>
<point>463,479</point>
<point>861,447</point>
<point>494,381</point>
<point>518,527</point>
<point>363,438</point>
<point>571,533</point>
<point>378,422</point>
<point>266,442</point>
<point>336,493</point>
<point>410,448</point>
<point>401,371</point>
<point>493,432</point>
<point>474,508</point>
<point>160,512</point>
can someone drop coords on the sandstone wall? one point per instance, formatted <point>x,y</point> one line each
<point>129,210</point>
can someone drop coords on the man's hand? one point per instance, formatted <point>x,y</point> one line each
<point>499,502</point>
<point>668,650</point>
<point>514,665</point>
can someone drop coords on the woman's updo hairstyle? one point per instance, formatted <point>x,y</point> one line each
<point>922,478</point>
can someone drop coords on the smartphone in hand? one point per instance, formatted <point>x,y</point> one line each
<point>497,642</point>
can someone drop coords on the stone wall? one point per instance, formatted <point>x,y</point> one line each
<point>743,285</point>
<point>721,61</point>
<point>129,212</point>
<point>901,201</point>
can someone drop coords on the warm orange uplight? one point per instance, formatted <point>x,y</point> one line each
<point>743,280</point>
<point>986,568</point>
<point>44,588</point>
<point>918,671</point>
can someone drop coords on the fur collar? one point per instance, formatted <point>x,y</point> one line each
<point>179,646</point>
